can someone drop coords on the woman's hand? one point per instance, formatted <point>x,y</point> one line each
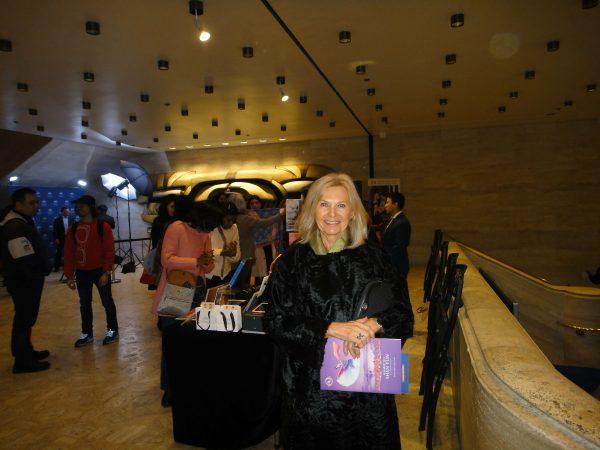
<point>355,332</point>
<point>205,259</point>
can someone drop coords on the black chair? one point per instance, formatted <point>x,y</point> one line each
<point>432,265</point>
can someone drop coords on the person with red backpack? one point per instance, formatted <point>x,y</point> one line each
<point>89,258</point>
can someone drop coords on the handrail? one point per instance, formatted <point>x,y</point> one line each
<point>579,329</point>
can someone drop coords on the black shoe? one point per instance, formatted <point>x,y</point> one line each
<point>166,400</point>
<point>40,354</point>
<point>84,339</point>
<point>31,366</point>
<point>111,336</point>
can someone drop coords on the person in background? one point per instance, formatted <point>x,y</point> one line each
<point>59,229</point>
<point>259,269</point>
<point>187,247</point>
<point>396,235</point>
<point>225,244</point>
<point>25,265</point>
<point>103,215</point>
<point>89,259</point>
<point>166,215</point>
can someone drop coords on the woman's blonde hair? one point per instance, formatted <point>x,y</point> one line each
<point>357,227</point>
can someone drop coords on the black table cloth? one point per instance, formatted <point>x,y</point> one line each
<point>224,387</point>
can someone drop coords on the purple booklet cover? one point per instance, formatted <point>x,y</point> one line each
<point>381,368</point>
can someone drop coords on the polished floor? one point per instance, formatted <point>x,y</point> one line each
<point>107,397</point>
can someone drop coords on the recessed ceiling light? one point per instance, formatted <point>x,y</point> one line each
<point>155,139</point>
<point>13,178</point>
<point>319,113</point>
<point>384,119</point>
<point>241,104</point>
<point>5,45</point>
<point>22,87</point>
<point>195,136</point>
<point>587,4</point>
<point>204,36</point>
<point>132,118</point>
<point>40,128</point>
<point>568,103</point>
<point>225,144</point>
<point>167,127</point>
<point>209,89</point>
<point>247,52</point>
<point>88,76</point>
<point>172,148</point>
<point>282,139</point>
<point>378,107</point>
<point>303,99</point>
<point>145,98</point>
<point>123,132</point>
<point>552,46</point>
<point>501,109</point>
<point>361,69</point>
<point>184,112</point>
<point>262,140</point>
<point>529,74</point>
<point>443,101</point>
<point>451,58</point>
<point>244,142</point>
<point>82,183</point>
<point>92,28</point>
<point>238,132</point>
<point>345,37</point>
<point>513,94</point>
<point>84,122</point>
<point>265,117</point>
<point>283,127</point>
<point>332,124</point>
<point>441,114</point>
<point>214,122</point>
<point>33,112</point>
<point>280,80</point>
<point>163,64</point>
<point>591,87</point>
<point>457,20</point>
<point>446,84</point>
<point>83,136</point>
<point>371,91</point>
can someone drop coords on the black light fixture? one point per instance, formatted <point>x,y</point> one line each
<point>384,119</point>
<point>446,84</point>
<point>443,101</point>
<point>591,87</point>
<point>513,94</point>
<point>132,118</point>
<point>303,99</point>
<point>184,112</point>
<point>83,136</point>
<point>163,64</point>
<point>588,4</point>
<point>319,113</point>
<point>457,20</point>
<point>332,124</point>
<point>441,114</point>
<point>155,139</point>
<point>378,107</point>
<point>568,103</point>
<point>361,69</point>
<point>167,127</point>
<point>552,46</point>
<point>196,7</point>
<point>238,132</point>
<point>5,45</point>
<point>88,76</point>
<point>214,122</point>
<point>92,28</point>
<point>529,74</point>
<point>86,105</point>
<point>84,122</point>
<point>501,109</point>
<point>123,132</point>
<point>33,112</point>
<point>145,98</point>
<point>241,104</point>
<point>247,52</point>
<point>371,91</point>
<point>345,37</point>
<point>118,143</point>
<point>283,127</point>
<point>195,135</point>
<point>451,58</point>
<point>22,87</point>
<point>265,117</point>
<point>280,80</point>
<point>40,128</point>
<point>209,89</point>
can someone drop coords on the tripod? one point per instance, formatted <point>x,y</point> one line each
<point>133,258</point>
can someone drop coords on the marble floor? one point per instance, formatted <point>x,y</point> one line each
<point>108,397</point>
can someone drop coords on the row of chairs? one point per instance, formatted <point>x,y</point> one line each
<point>443,291</point>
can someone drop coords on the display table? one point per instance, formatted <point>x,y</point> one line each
<point>224,386</point>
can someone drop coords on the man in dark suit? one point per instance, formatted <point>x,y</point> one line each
<point>396,236</point>
<point>59,229</point>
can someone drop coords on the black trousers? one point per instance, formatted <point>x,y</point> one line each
<point>86,279</point>
<point>26,295</point>
<point>58,256</point>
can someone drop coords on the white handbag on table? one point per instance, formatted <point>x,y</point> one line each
<point>226,318</point>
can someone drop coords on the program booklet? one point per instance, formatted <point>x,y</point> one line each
<point>382,368</point>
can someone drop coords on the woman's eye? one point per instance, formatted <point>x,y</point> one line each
<point>341,205</point>
<point>323,204</point>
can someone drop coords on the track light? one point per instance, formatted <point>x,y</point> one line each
<point>332,124</point>
<point>145,98</point>
<point>123,132</point>
<point>167,128</point>
<point>587,4</point>
<point>283,127</point>
<point>303,99</point>
<point>446,84</point>
<point>552,46</point>
<point>247,52</point>
<point>92,28</point>
<point>241,104</point>
<point>443,101</point>
<point>568,103</point>
<point>209,89</point>
<point>501,109</point>
<point>371,91</point>
<point>5,45</point>
<point>118,143</point>
<point>163,64</point>
<point>40,128</point>
<point>591,87</point>
<point>345,37</point>
<point>88,76</point>
<point>196,9</point>
<point>184,112</point>
<point>457,20</point>
<point>361,69</point>
<point>132,118</point>
<point>33,112</point>
<point>214,122</point>
<point>83,136</point>
<point>86,105</point>
<point>22,87</point>
<point>451,58</point>
<point>530,74</point>
<point>155,139</point>
<point>319,113</point>
<point>280,80</point>
<point>441,115</point>
<point>384,119</point>
<point>195,136</point>
<point>265,117</point>
<point>238,132</point>
<point>378,107</point>
<point>84,123</point>
<point>513,94</point>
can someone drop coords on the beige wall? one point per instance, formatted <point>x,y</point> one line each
<point>525,194</point>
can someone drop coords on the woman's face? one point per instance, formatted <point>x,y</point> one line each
<point>333,211</point>
<point>171,209</point>
<point>255,204</point>
<point>228,222</point>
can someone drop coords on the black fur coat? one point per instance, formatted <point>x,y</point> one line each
<point>308,292</point>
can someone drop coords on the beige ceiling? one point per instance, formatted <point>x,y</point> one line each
<point>402,42</point>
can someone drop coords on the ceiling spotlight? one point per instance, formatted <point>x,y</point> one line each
<point>241,104</point>
<point>361,69</point>
<point>88,76</point>
<point>13,178</point>
<point>501,109</point>
<point>513,94</point>
<point>92,28</point>
<point>145,98</point>
<point>441,114</point>
<point>22,87</point>
<point>167,127</point>
<point>238,132</point>
<point>371,91</point>
<point>40,128</point>
<point>457,20</point>
<point>209,89</point>
<point>587,4</point>
<point>83,136</point>
<point>265,117</point>
<point>225,144</point>
<point>303,99</point>
<point>204,36</point>
<point>591,87</point>
<point>132,118</point>
<point>552,46</point>
<point>184,112</point>
<point>84,123</point>
<point>155,139</point>
<point>33,112</point>
<point>451,58</point>
<point>319,113</point>
<point>378,107</point>
<point>5,45</point>
<point>123,132</point>
<point>530,74</point>
<point>443,101</point>
<point>345,37</point>
<point>247,52</point>
<point>214,123</point>
<point>283,127</point>
<point>284,97</point>
<point>332,124</point>
<point>195,136</point>
<point>86,105</point>
<point>384,119</point>
<point>446,84</point>
<point>280,80</point>
<point>82,183</point>
<point>568,103</point>
<point>163,64</point>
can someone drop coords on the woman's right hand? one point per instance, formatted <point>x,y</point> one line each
<point>355,332</point>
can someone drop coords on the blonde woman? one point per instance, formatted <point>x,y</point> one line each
<point>315,287</point>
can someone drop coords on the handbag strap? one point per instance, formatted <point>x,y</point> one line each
<point>222,233</point>
<point>208,327</point>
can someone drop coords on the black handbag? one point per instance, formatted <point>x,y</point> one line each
<point>376,297</point>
